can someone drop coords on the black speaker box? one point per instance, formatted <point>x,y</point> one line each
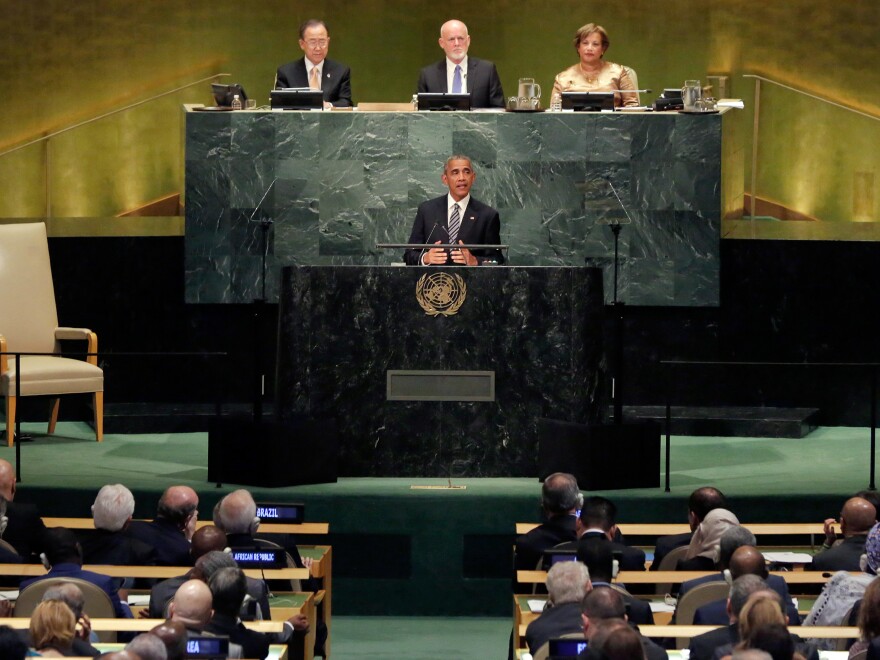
<point>601,456</point>
<point>270,454</point>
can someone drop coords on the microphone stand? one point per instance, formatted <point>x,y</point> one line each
<point>617,378</point>
<point>259,312</point>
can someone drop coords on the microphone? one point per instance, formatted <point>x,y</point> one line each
<point>263,221</point>
<point>631,91</point>
<point>619,201</point>
<point>428,241</point>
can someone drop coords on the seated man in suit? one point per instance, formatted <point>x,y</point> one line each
<point>315,70</point>
<point>856,519</point>
<point>700,503</point>
<point>567,583</point>
<point>598,520</point>
<point>560,500</point>
<point>110,543</point>
<point>458,73</point>
<point>598,555</point>
<point>24,529</point>
<point>192,606</point>
<point>455,218</point>
<point>175,523</point>
<point>228,588</point>
<point>603,610</point>
<point>63,559</point>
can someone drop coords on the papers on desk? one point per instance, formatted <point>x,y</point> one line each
<point>731,103</point>
<point>661,606</point>
<point>9,595</point>
<point>138,600</point>
<point>788,557</point>
<point>536,606</point>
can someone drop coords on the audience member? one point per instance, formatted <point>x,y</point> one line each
<point>560,500</point>
<point>228,588</point>
<point>71,595</point>
<point>603,607</point>
<point>52,629</point>
<point>775,640</point>
<point>597,554</point>
<point>175,523</point>
<point>567,583</point>
<point>173,635</point>
<point>702,647</point>
<point>148,647</point>
<point>24,529</point>
<point>623,643</point>
<point>700,503</point>
<point>843,590</point>
<point>110,543</point>
<point>192,607</point>
<point>12,646</point>
<point>598,519</point>
<point>856,519</point>
<point>868,620</point>
<point>703,550</point>
<point>6,556</point>
<point>63,558</point>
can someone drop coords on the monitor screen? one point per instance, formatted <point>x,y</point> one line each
<point>296,98</point>
<point>442,101</point>
<point>552,557</point>
<point>566,648</point>
<point>207,647</point>
<point>289,514</point>
<point>223,94</point>
<point>587,101</point>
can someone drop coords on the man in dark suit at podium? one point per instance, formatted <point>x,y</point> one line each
<point>315,70</point>
<point>460,73</point>
<point>455,218</point>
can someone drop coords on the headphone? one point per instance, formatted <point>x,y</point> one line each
<point>255,523</point>
<point>4,521</point>
<point>728,577</point>
<point>45,561</point>
<point>615,568</point>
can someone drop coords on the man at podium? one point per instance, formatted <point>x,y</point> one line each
<point>455,218</point>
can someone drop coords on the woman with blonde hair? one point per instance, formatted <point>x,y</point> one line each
<point>868,622</point>
<point>53,627</point>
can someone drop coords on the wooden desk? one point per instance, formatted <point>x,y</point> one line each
<point>321,528</point>
<point>677,577</point>
<point>159,572</point>
<point>666,529</point>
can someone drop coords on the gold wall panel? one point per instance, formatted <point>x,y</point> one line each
<point>68,61</point>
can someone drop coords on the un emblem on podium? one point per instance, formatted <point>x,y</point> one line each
<point>440,293</point>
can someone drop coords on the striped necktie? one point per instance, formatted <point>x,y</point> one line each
<point>454,223</point>
<point>456,80</point>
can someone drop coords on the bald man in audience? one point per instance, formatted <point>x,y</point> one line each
<point>747,560</point>
<point>24,528</point>
<point>700,503</point>
<point>175,523</point>
<point>856,519</point>
<point>192,607</point>
<point>602,610</point>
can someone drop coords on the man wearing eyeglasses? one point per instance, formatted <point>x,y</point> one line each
<point>314,70</point>
<point>459,73</point>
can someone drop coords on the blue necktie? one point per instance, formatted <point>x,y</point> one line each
<point>454,223</point>
<point>456,80</point>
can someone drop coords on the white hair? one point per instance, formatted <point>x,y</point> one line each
<point>567,582</point>
<point>113,506</point>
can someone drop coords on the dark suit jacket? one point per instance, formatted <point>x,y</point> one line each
<point>162,593</point>
<point>653,651</point>
<point>253,644</point>
<point>631,559</point>
<point>24,531</point>
<point>75,571</point>
<point>335,83</point>
<point>842,557</point>
<point>695,564</point>
<point>172,548</point>
<point>711,616</point>
<point>554,622</point>
<point>702,647</point>
<point>665,544</point>
<point>638,611</point>
<point>530,547</point>
<point>479,224</point>
<point>483,82</point>
<point>116,549</point>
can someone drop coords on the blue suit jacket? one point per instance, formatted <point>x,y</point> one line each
<point>479,224</point>
<point>105,582</point>
<point>483,82</point>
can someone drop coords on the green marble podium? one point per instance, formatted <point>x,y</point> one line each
<point>345,181</point>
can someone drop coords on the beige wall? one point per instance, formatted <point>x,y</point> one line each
<point>68,61</point>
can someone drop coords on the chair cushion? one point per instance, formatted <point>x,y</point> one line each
<point>46,374</point>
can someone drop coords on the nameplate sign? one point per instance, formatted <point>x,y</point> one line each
<point>410,385</point>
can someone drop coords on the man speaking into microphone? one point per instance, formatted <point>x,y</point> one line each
<point>455,219</point>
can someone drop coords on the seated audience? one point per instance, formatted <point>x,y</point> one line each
<point>560,500</point>
<point>173,635</point>
<point>228,589</point>
<point>192,607</point>
<point>700,503</point>
<point>71,595</point>
<point>602,610</point>
<point>842,591</point>
<point>567,583</point>
<point>6,556</point>
<point>63,558</point>
<point>703,550</point>
<point>598,520</point>
<point>702,647</point>
<point>12,646</point>
<point>52,629</point>
<point>110,543</point>
<point>175,523</point>
<point>621,643</point>
<point>774,640</point>
<point>868,621</point>
<point>598,556</point>
<point>856,519</point>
